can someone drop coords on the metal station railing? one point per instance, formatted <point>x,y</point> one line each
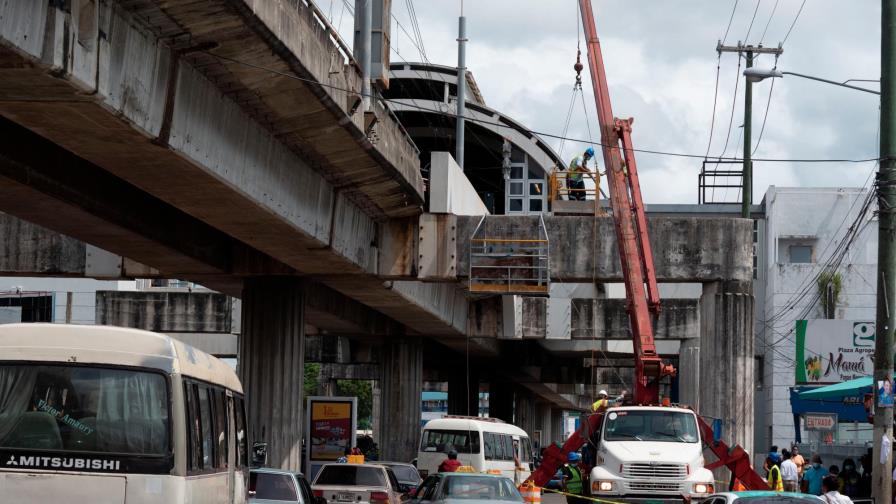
<point>510,265</point>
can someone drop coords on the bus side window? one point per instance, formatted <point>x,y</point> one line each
<point>489,440</point>
<point>242,444</point>
<point>205,414</point>
<point>527,450</point>
<point>191,411</point>
<point>508,446</point>
<point>221,427</point>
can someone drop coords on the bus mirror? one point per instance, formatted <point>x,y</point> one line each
<point>259,454</point>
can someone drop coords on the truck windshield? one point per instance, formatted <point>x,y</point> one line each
<point>75,408</point>
<point>651,425</point>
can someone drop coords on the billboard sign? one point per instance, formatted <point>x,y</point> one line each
<point>331,426</point>
<point>833,350</point>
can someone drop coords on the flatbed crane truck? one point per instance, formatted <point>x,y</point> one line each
<point>644,451</point>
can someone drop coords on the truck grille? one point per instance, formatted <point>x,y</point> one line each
<point>655,471</point>
<point>650,486</point>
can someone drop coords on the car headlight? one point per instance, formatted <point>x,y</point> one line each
<point>602,486</point>
<point>704,488</point>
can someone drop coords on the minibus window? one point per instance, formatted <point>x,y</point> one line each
<point>205,414</point>
<point>83,408</point>
<point>444,440</point>
<point>241,441</point>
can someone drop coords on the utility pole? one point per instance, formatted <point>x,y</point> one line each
<point>886,254</point>
<point>461,88</point>
<point>749,51</point>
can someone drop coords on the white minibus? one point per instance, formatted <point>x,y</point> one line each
<point>486,444</point>
<point>107,414</point>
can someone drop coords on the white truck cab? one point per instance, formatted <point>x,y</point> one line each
<point>650,453</point>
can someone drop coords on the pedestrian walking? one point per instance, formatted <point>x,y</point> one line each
<point>572,479</point>
<point>798,460</point>
<point>813,476</point>
<point>849,479</point>
<point>831,495</point>
<point>450,464</point>
<point>774,472</point>
<point>789,472</point>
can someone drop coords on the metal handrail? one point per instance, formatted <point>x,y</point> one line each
<point>555,191</point>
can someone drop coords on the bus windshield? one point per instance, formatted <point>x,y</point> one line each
<point>651,425</point>
<point>83,409</point>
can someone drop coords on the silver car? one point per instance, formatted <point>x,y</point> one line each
<point>466,488</point>
<point>269,486</point>
<point>357,484</point>
<point>761,497</point>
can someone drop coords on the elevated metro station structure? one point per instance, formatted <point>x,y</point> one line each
<point>140,140</point>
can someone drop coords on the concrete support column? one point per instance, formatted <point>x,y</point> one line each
<point>462,401</point>
<point>558,434</point>
<point>524,410</point>
<point>271,366</point>
<point>543,424</point>
<point>689,373</point>
<point>726,385</point>
<point>402,393</point>
<point>500,401</point>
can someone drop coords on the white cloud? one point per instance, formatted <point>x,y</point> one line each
<point>661,66</point>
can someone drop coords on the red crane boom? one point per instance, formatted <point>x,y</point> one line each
<point>639,276</point>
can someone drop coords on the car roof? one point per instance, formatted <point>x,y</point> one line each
<point>386,462</point>
<point>471,474</point>
<point>272,470</point>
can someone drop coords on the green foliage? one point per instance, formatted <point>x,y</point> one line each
<point>830,283</point>
<point>363,390</point>
<point>312,377</point>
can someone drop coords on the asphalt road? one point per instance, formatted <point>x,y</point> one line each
<point>552,498</point>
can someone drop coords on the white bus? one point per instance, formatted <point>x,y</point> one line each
<point>486,444</point>
<point>107,414</point>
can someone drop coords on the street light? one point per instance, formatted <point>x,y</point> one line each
<point>760,74</point>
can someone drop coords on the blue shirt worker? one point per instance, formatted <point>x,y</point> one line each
<point>813,476</point>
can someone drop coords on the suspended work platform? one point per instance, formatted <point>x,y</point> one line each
<point>502,265</point>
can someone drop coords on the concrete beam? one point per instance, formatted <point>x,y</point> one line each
<point>583,249</point>
<point>166,311</point>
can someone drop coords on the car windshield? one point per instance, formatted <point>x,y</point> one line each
<point>83,409</point>
<point>351,475</point>
<point>651,425</point>
<point>405,473</point>
<point>479,488</point>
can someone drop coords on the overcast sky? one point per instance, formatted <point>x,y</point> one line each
<point>661,67</point>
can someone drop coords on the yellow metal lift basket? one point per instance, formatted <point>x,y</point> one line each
<point>503,265</point>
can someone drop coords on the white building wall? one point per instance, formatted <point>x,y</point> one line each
<point>83,290</point>
<point>786,292</point>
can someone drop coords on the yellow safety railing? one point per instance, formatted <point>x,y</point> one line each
<point>504,265</point>
<point>558,186</point>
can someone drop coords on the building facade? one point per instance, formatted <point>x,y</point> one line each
<point>808,236</point>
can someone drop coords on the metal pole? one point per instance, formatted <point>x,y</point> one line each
<point>748,129</point>
<point>461,88</point>
<point>366,49</point>
<point>886,251</point>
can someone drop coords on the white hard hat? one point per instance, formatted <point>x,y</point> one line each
<point>603,392</point>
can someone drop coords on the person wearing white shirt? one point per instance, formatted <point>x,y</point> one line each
<point>790,474</point>
<point>829,491</point>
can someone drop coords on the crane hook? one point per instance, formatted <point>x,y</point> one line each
<point>578,68</point>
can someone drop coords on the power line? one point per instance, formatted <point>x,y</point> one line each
<point>772,15</point>
<point>794,21</point>
<point>715,99</point>
<point>733,107</point>
<point>520,128</point>
<point>765,117</point>
<point>730,19</point>
<point>750,28</point>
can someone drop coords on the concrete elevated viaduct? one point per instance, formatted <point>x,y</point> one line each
<point>234,153</point>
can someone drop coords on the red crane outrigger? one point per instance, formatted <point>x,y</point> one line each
<point>639,276</point>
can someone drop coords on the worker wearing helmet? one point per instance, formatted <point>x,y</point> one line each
<point>575,180</point>
<point>573,483</point>
<point>774,472</point>
<point>603,400</point>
